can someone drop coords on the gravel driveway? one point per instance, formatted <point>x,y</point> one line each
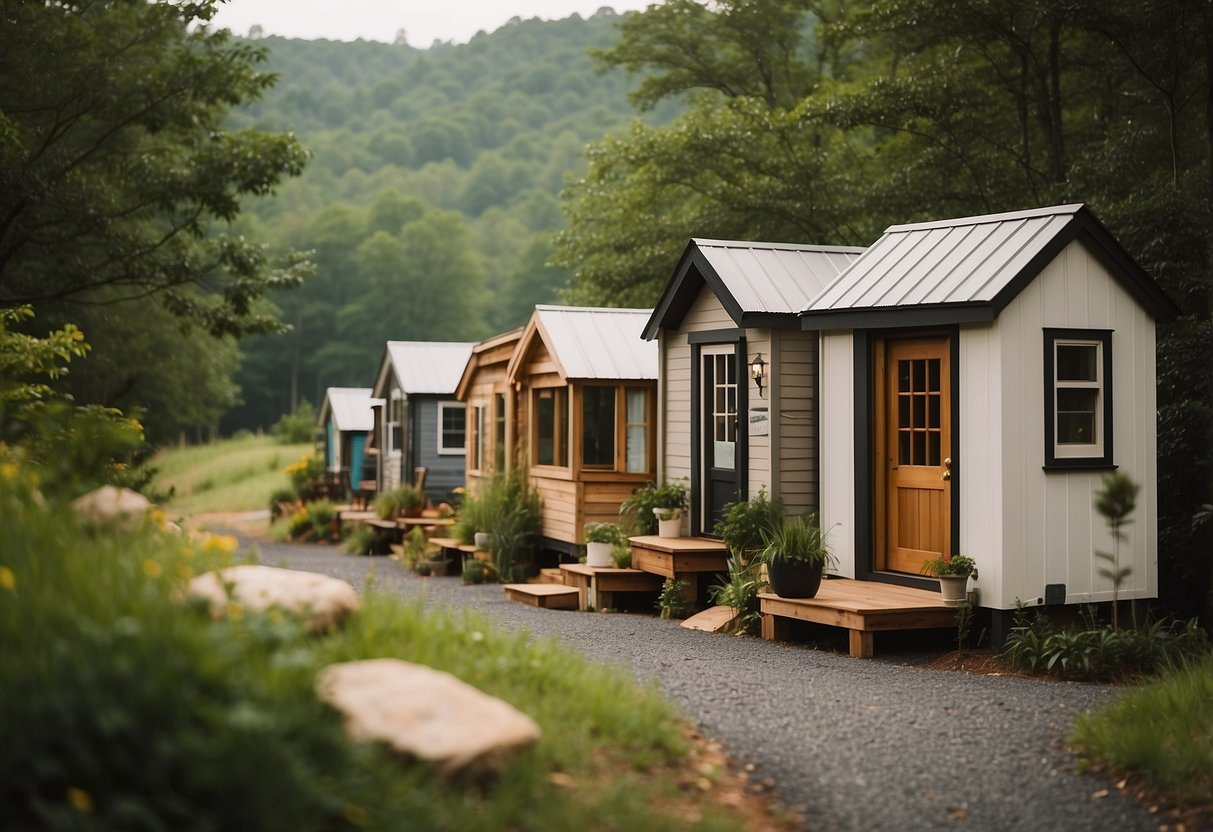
<point>861,745</point>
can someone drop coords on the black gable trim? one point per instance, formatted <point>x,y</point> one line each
<point>692,273</point>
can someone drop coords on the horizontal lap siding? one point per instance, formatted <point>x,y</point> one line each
<point>561,507</point>
<point>797,462</point>
<point>444,472</point>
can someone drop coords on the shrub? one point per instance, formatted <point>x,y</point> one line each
<point>390,504</point>
<point>279,498</point>
<point>672,603</point>
<point>740,592</point>
<point>505,506</point>
<point>746,524</point>
<point>296,427</point>
<point>638,508</point>
<point>322,514</point>
<point>362,541</point>
<point>303,470</point>
<point>479,572</point>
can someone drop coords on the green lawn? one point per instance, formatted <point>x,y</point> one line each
<point>229,475</point>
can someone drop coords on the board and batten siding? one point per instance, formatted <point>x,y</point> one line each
<point>1029,527</point>
<point>837,493</point>
<point>444,471</point>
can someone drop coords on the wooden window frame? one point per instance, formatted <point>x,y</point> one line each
<point>561,430</point>
<point>475,439</point>
<point>1099,453</point>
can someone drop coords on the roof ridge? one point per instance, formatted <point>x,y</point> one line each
<point>989,219</point>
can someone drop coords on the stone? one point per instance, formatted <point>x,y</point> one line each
<point>426,714</point>
<point>109,504</point>
<point>323,600</point>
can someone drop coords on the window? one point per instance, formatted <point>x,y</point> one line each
<point>452,427</point>
<point>499,430</point>
<point>477,437</point>
<point>1078,398</point>
<point>598,427</point>
<point>637,432</point>
<point>551,426</point>
<point>723,403</point>
<point>395,425</point>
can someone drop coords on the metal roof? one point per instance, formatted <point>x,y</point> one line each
<point>775,277</point>
<point>598,342</point>
<point>968,268</point>
<point>432,367</point>
<point>758,284</point>
<point>351,408</point>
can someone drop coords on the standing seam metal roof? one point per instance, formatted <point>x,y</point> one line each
<point>598,342</point>
<point>775,277</point>
<point>432,367</point>
<point>351,408</point>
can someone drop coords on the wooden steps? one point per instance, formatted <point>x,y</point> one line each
<point>545,596</point>
<point>863,607</point>
<point>550,576</point>
<point>680,558</point>
<point>596,586</point>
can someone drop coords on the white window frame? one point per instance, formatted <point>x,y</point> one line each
<point>1097,454</point>
<point>450,450</point>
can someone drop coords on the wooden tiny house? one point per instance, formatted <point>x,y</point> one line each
<point>346,420</point>
<point>489,398</point>
<point>585,398</point>
<point>421,424</point>
<point>731,306</point>
<point>979,376</point>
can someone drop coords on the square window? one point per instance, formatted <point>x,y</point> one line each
<point>452,427</point>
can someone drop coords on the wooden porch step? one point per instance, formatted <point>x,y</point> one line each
<point>863,607</point>
<point>547,596</point>
<point>550,576</point>
<point>596,585</point>
<point>711,620</point>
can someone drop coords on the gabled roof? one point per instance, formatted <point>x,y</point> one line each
<point>968,269</point>
<point>351,408</point>
<point>590,343</point>
<point>424,367</point>
<point>476,360</point>
<point>759,284</point>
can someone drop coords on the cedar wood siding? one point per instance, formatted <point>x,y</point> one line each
<point>488,380</point>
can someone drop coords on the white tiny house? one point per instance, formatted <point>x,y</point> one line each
<point>978,378</point>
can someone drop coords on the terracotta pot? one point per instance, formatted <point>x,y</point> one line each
<point>790,579</point>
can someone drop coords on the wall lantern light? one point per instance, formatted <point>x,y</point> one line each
<point>758,371</point>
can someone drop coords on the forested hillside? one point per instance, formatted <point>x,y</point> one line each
<point>431,195</point>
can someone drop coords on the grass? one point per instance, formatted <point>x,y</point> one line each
<point>1161,731</point>
<point>229,475</point>
<point>126,708</point>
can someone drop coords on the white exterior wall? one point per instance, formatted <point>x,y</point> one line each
<point>1028,527</point>
<point>838,447</point>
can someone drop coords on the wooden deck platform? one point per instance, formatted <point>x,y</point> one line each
<point>596,586</point>
<point>863,607</point>
<point>547,596</point>
<point>680,558</point>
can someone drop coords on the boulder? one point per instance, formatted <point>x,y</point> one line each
<point>323,600</point>
<point>426,714</point>
<point>109,504</point>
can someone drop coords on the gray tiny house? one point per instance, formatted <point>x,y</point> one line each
<point>421,424</point>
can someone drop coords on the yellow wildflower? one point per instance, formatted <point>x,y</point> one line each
<point>152,569</point>
<point>8,471</point>
<point>8,579</point>
<point>219,544</point>
<point>235,611</point>
<point>79,799</point>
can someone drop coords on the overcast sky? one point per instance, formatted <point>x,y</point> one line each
<point>424,21</point>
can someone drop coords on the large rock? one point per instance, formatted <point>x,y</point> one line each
<point>109,504</point>
<point>324,600</point>
<point>426,714</point>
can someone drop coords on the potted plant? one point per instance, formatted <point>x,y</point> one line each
<point>669,502</point>
<point>795,556</point>
<point>953,573</point>
<point>600,540</point>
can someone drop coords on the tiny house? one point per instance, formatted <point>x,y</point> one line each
<point>738,398</point>
<point>489,400</point>
<point>585,401</point>
<point>421,424</point>
<point>346,420</point>
<point>978,377</point>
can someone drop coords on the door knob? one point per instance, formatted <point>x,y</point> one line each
<point>947,463</point>
<point>947,475</point>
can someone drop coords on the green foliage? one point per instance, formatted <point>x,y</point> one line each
<point>673,603</point>
<point>479,572</point>
<point>797,540</point>
<point>1115,501</point>
<point>391,504</point>
<point>611,533</point>
<point>638,508</point>
<point>740,592</point>
<point>362,541</point>
<point>297,427</point>
<point>117,162</point>
<point>303,470</point>
<point>1162,731</point>
<point>1096,651</point>
<point>322,513</point>
<point>244,475</point>
<point>951,565</point>
<point>746,524</point>
<point>507,507</point>
<point>104,666</point>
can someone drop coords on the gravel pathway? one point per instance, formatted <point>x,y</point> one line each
<point>860,745</point>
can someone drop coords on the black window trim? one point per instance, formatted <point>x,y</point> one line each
<point>1052,462</point>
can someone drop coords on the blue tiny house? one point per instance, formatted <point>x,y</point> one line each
<point>346,420</point>
<point>421,424</point>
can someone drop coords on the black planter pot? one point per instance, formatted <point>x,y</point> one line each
<point>794,580</point>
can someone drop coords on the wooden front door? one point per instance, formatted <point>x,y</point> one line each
<point>718,434</point>
<point>914,453</point>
